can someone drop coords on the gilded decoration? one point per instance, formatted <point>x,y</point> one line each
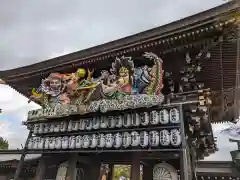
<point>123,86</point>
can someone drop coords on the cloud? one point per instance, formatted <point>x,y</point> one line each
<point>14,110</point>
<point>37,30</point>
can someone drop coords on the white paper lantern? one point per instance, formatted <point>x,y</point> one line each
<point>70,126</point>
<point>101,140</point>
<point>75,125</point>
<point>65,142</point>
<point>103,122</point>
<point>82,124</point>
<point>88,124</point>
<point>144,118</point>
<point>46,144</point>
<point>127,120</point>
<point>153,138</point>
<point>164,116</point>
<point>41,143</point>
<point>111,122</point>
<point>41,128</point>
<point>117,140</point>
<point>58,143</point>
<point>175,137</point>
<point>135,138</point>
<point>109,140</point>
<point>79,142</point>
<point>72,142</point>
<point>51,129</point>
<point>36,128</point>
<point>96,123</point>
<point>144,139</point>
<point>93,140</point>
<point>136,119</point>
<point>47,127</point>
<point>126,140</point>
<point>30,143</point>
<point>154,117</point>
<point>63,126</point>
<point>57,127</point>
<point>165,137</point>
<point>51,142</point>
<point>174,116</point>
<point>35,142</point>
<point>119,121</point>
<point>86,141</point>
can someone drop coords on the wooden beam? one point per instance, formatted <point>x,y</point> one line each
<point>135,169</point>
<point>41,169</point>
<point>71,170</point>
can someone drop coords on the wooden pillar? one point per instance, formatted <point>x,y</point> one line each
<point>110,173</point>
<point>135,168</point>
<point>95,170</point>
<point>41,169</point>
<point>71,169</point>
<point>147,172</point>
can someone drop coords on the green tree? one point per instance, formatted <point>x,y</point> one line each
<point>3,144</point>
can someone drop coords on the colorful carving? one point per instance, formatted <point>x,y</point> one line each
<point>122,80</point>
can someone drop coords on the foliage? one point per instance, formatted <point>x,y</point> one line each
<point>3,144</point>
<point>123,170</point>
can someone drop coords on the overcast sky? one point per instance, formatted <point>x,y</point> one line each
<point>32,31</point>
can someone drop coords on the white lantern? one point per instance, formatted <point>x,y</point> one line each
<point>153,138</point>
<point>175,137</point>
<point>58,143</point>
<point>63,126</point>
<point>96,123</point>
<point>51,129</point>
<point>41,143</point>
<point>135,138</point>
<point>165,138</point>
<point>86,141</point>
<point>103,122</point>
<point>65,142</point>
<point>75,125</point>
<point>154,117</point>
<point>117,140</point>
<point>46,144</point>
<point>46,127</point>
<point>57,127</point>
<point>72,142</point>
<point>88,124</point>
<point>144,118</point>
<point>101,140</point>
<point>119,121</point>
<point>36,128</point>
<point>93,141</point>
<point>144,139</point>
<point>127,120</point>
<point>163,116</point>
<point>41,128</point>
<point>126,140</point>
<point>111,122</point>
<point>51,142</point>
<point>35,142</point>
<point>79,142</point>
<point>109,140</point>
<point>82,124</point>
<point>30,143</point>
<point>70,124</point>
<point>174,116</point>
<point>136,119</point>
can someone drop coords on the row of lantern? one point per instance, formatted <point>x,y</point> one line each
<point>109,140</point>
<point>127,120</point>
